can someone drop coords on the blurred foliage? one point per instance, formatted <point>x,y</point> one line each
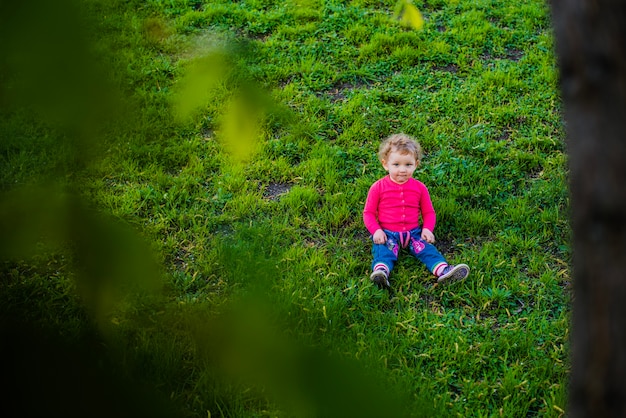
<point>409,15</point>
<point>118,116</point>
<point>61,104</point>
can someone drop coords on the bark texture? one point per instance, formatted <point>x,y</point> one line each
<point>591,50</point>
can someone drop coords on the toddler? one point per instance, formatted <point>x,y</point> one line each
<point>392,210</point>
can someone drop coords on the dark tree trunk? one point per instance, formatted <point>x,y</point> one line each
<point>591,49</point>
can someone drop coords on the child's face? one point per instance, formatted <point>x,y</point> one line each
<point>400,166</point>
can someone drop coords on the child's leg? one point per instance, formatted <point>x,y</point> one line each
<point>436,263</point>
<point>385,255</point>
<point>428,254</point>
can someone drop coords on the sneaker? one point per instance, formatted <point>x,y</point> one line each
<point>380,278</point>
<point>453,274</point>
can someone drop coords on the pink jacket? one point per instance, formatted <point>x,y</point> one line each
<point>396,207</point>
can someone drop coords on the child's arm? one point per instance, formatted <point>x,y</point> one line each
<point>369,216</point>
<point>429,218</point>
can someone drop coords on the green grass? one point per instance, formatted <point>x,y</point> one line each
<point>238,140</point>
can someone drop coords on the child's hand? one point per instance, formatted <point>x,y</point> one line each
<point>380,237</point>
<point>428,236</point>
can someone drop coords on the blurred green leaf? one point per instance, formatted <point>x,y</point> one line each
<point>109,259</point>
<point>195,88</point>
<point>240,127</point>
<point>409,15</point>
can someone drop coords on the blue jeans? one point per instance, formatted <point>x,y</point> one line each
<point>387,253</point>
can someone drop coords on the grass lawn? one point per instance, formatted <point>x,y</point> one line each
<point>182,195</point>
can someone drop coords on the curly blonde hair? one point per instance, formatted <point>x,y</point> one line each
<point>402,143</point>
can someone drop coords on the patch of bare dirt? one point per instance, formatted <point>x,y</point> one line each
<point>275,190</point>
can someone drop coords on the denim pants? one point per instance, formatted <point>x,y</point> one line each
<point>387,253</point>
